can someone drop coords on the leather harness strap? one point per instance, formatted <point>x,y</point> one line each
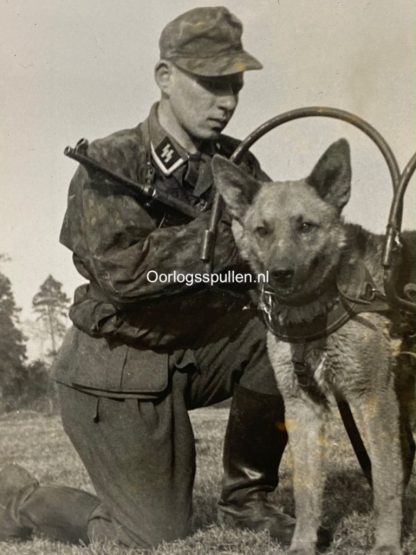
<point>344,307</point>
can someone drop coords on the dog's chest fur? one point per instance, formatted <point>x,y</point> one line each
<point>337,365</point>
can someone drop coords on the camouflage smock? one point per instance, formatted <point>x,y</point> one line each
<point>116,239</point>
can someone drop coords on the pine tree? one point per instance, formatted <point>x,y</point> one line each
<point>51,304</point>
<point>12,344</point>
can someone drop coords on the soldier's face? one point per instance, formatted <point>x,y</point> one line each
<point>203,106</point>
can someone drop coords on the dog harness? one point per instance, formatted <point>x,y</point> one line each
<point>356,292</point>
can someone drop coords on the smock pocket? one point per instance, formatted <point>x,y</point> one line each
<point>98,365</point>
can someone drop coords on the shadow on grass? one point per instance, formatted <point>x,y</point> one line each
<point>339,503</point>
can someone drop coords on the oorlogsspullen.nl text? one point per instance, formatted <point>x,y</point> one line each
<point>210,279</point>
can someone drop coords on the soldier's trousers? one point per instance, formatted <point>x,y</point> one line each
<point>140,454</point>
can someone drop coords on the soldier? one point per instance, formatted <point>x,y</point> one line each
<point>142,352</point>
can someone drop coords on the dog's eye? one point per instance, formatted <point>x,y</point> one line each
<point>261,230</point>
<point>307,227</point>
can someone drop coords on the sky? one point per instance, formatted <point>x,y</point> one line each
<point>84,68</point>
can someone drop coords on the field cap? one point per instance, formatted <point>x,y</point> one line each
<point>206,42</point>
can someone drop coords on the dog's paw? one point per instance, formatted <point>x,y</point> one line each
<point>387,550</point>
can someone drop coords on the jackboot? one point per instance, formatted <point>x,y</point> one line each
<point>254,443</point>
<point>58,513</point>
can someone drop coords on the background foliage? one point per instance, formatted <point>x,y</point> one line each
<point>23,382</point>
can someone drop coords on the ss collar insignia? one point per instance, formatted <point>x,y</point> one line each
<point>166,156</point>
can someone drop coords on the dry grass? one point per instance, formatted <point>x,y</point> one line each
<point>38,443</point>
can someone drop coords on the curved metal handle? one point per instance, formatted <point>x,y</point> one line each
<point>392,246</point>
<point>314,111</point>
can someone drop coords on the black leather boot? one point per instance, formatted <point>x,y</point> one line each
<point>56,512</point>
<point>254,443</point>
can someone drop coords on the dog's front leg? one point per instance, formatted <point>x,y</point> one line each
<point>377,416</point>
<point>304,420</point>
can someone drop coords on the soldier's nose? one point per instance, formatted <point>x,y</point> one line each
<point>282,277</point>
<point>228,102</point>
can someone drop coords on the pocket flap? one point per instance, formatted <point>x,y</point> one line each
<point>97,364</point>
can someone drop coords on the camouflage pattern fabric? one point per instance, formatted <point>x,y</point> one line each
<point>116,240</point>
<point>207,41</point>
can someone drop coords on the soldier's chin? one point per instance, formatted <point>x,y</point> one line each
<point>213,134</point>
<point>206,135</point>
<point>215,127</point>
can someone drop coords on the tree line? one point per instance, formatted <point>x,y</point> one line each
<point>24,383</point>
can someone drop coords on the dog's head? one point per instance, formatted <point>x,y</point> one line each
<point>291,229</point>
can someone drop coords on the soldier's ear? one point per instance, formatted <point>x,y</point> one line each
<point>234,185</point>
<point>331,177</point>
<point>163,76</point>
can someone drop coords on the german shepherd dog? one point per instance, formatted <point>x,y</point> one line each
<point>320,345</point>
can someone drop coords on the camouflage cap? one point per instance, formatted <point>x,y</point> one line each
<point>207,42</point>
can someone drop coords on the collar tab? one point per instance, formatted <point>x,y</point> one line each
<point>167,156</point>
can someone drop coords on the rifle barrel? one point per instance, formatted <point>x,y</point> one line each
<point>144,189</point>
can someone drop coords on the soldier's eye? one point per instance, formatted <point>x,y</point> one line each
<point>261,230</point>
<point>237,84</point>
<point>222,85</point>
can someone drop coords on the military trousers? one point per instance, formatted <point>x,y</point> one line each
<point>140,454</point>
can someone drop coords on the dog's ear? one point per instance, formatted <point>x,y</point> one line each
<point>236,187</point>
<point>331,177</point>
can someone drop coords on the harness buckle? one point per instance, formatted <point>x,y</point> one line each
<point>303,372</point>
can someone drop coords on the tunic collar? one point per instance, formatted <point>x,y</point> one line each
<point>166,152</point>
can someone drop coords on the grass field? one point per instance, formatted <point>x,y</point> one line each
<point>39,443</point>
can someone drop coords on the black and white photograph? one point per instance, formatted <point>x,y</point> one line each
<point>208,277</point>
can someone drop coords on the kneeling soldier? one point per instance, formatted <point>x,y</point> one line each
<point>142,351</point>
